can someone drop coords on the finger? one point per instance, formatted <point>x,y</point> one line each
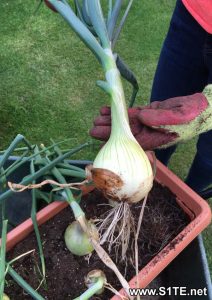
<point>136,126</point>
<point>150,139</point>
<point>197,101</point>
<point>101,133</point>
<point>176,116</point>
<point>159,117</point>
<point>105,110</point>
<point>133,112</point>
<point>169,103</point>
<point>102,121</point>
<point>174,111</point>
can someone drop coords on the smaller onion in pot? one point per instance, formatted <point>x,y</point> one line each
<point>93,277</point>
<point>77,241</point>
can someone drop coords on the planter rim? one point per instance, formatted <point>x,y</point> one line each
<point>197,209</point>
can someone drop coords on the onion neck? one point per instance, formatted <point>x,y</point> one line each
<point>119,116</point>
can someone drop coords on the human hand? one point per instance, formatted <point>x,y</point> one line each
<point>163,123</point>
<point>146,136</point>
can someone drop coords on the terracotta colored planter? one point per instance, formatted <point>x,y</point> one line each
<point>21,231</point>
<point>199,213</point>
<point>197,209</point>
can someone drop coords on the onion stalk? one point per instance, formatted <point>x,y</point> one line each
<point>121,169</point>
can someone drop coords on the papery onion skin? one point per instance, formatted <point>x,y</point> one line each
<point>122,170</point>
<point>77,240</point>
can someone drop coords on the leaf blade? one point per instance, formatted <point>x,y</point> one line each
<point>98,22</point>
<point>114,17</point>
<point>123,20</point>
<point>79,28</point>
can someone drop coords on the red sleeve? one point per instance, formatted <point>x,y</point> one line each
<point>201,10</point>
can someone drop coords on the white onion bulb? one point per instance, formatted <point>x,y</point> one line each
<point>122,170</point>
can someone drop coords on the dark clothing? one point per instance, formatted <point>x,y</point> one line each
<point>184,68</point>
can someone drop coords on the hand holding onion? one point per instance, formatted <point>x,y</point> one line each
<point>163,123</point>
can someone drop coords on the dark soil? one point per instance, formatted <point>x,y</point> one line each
<point>163,220</point>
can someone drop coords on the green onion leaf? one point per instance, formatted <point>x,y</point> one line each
<point>110,7</point>
<point>85,12</point>
<point>104,86</point>
<point>43,170</point>
<point>79,28</point>
<point>19,138</point>
<point>35,224</point>
<point>78,10</point>
<point>20,281</point>
<point>2,257</point>
<point>114,17</point>
<point>98,22</point>
<point>118,30</point>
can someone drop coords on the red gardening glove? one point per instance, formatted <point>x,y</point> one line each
<point>147,137</point>
<point>157,124</point>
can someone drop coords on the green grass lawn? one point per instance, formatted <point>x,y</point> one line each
<point>47,76</point>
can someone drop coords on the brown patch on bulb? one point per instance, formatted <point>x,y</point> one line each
<point>110,185</point>
<point>106,181</point>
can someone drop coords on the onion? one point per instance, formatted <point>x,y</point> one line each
<point>94,277</point>
<point>77,240</point>
<point>121,170</point>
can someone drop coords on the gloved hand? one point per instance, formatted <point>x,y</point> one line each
<point>147,137</point>
<point>163,123</point>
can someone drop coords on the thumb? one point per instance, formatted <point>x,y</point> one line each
<point>105,110</point>
<point>158,117</point>
<point>174,111</point>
